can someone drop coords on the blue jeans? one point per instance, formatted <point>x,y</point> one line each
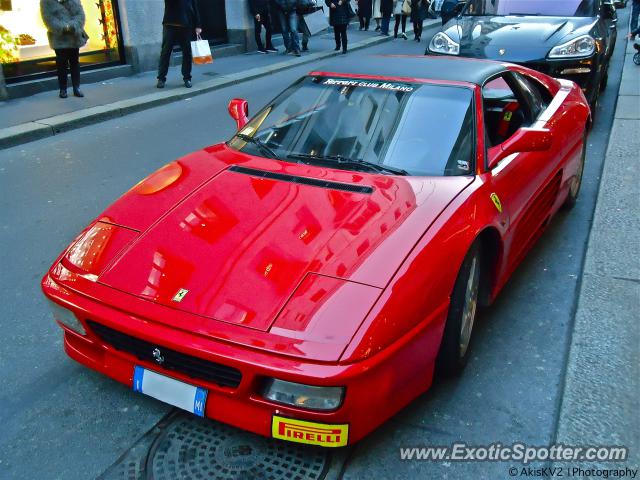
<point>384,28</point>
<point>635,11</point>
<point>289,26</point>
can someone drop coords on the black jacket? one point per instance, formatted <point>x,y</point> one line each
<point>340,14</point>
<point>386,7</point>
<point>287,5</point>
<point>181,12</point>
<point>258,6</point>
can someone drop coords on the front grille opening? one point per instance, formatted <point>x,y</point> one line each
<point>194,367</point>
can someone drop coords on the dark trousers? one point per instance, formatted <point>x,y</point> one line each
<point>417,28</point>
<point>364,22</point>
<point>265,21</point>
<point>68,59</point>
<point>386,19</point>
<point>340,33</point>
<point>175,36</point>
<point>635,11</point>
<point>404,24</point>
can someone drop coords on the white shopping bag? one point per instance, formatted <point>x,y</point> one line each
<point>201,51</point>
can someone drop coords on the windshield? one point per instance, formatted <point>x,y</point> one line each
<point>367,125</point>
<point>552,8</point>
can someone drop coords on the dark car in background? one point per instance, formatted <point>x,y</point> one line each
<point>571,39</point>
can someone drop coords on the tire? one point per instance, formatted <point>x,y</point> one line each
<point>605,80</point>
<point>574,190</point>
<point>636,59</point>
<point>456,340</point>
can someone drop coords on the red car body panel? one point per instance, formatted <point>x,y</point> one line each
<point>305,284</point>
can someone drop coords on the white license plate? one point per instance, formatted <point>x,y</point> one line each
<point>169,390</point>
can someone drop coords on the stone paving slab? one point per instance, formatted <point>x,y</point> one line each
<point>602,388</point>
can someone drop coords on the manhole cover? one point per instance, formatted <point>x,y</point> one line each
<point>192,448</point>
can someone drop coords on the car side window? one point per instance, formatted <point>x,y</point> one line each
<point>504,112</point>
<point>533,91</point>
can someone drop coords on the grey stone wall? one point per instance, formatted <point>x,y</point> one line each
<point>141,22</point>
<point>239,23</point>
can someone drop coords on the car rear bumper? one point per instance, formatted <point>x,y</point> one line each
<point>375,388</point>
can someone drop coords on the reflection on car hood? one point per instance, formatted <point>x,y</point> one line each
<point>241,244</point>
<point>514,38</point>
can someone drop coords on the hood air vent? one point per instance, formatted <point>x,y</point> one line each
<point>314,182</point>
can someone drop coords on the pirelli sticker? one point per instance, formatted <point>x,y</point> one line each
<point>325,435</point>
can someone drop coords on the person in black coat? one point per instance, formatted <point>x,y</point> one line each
<point>365,9</point>
<point>339,15</point>
<point>181,18</point>
<point>262,17</point>
<point>386,9</point>
<point>419,11</point>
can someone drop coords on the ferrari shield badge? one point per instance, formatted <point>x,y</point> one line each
<point>180,295</point>
<point>496,201</point>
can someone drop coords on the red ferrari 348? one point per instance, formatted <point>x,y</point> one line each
<point>307,278</point>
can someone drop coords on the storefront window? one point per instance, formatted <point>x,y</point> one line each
<point>24,48</point>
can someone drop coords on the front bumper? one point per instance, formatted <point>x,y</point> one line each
<point>375,388</point>
<point>583,71</point>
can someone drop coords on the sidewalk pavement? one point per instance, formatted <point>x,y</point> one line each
<point>601,397</point>
<point>26,119</point>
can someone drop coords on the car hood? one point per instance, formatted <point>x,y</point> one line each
<point>514,38</point>
<point>251,240</point>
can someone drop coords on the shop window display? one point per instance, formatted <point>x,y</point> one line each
<point>24,48</point>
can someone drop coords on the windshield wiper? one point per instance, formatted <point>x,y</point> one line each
<point>350,161</point>
<point>263,147</point>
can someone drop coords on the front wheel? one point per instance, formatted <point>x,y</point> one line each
<point>456,340</point>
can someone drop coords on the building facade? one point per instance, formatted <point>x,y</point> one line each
<point>121,32</point>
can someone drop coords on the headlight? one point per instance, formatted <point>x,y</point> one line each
<point>303,396</point>
<point>580,47</point>
<point>441,43</point>
<point>67,318</point>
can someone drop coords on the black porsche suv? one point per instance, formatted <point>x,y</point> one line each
<point>572,39</point>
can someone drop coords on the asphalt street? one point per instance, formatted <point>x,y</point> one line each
<point>60,420</point>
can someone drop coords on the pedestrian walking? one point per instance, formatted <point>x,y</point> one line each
<point>365,9</point>
<point>339,16</point>
<point>401,18</point>
<point>419,11</point>
<point>376,13</point>
<point>181,19</point>
<point>262,18</point>
<point>64,20</point>
<point>386,10</point>
<point>303,30</point>
<point>288,16</point>
<point>635,12</point>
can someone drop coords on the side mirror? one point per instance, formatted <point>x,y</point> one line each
<point>239,111</point>
<point>524,140</point>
